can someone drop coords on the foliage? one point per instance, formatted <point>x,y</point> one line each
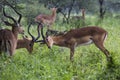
<point>44,64</point>
<point>31,8</point>
<point>77,23</point>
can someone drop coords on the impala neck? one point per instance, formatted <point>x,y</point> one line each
<point>54,14</point>
<point>15,32</point>
<point>83,14</point>
<point>59,40</point>
<point>21,44</point>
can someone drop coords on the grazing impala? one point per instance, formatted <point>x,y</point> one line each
<point>26,42</point>
<point>8,38</point>
<point>81,36</point>
<point>47,19</point>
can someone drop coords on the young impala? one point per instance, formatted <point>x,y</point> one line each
<point>8,38</point>
<point>82,17</point>
<point>47,19</point>
<point>27,42</point>
<point>81,36</point>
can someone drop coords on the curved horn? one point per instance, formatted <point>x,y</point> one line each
<point>42,31</point>
<point>38,33</point>
<point>20,16</point>
<point>8,16</point>
<point>33,38</point>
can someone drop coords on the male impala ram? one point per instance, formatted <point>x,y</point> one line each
<point>26,42</point>
<point>47,19</point>
<point>81,36</point>
<point>8,38</point>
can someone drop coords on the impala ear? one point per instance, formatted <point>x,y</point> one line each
<point>25,36</point>
<point>7,23</point>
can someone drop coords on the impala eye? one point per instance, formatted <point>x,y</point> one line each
<point>30,45</point>
<point>46,39</point>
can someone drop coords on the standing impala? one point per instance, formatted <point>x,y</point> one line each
<point>8,38</point>
<point>47,19</point>
<point>81,36</point>
<point>26,42</point>
<point>82,17</point>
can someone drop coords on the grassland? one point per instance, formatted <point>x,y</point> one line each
<point>44,64</point>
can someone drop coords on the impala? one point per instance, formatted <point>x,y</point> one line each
<point>80,17</point>
<point>8,38</point>
<point>80,36</point>
<point>27,42</point>
<point>47,19</point>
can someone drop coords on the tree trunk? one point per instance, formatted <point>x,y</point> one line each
<point>102,11</point>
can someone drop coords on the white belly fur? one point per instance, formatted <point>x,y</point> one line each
<point>87,43</point>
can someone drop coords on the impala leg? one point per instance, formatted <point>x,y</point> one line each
<point>11,52</point>
<point>72,53</point>
<point>104,50</point>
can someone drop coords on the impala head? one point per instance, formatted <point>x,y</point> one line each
<point>54,9</point>
<point>33,40</point>
<point>46,40</point>
<point>29,44</point>
<point>49,40</point>
<point>16,26</point>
